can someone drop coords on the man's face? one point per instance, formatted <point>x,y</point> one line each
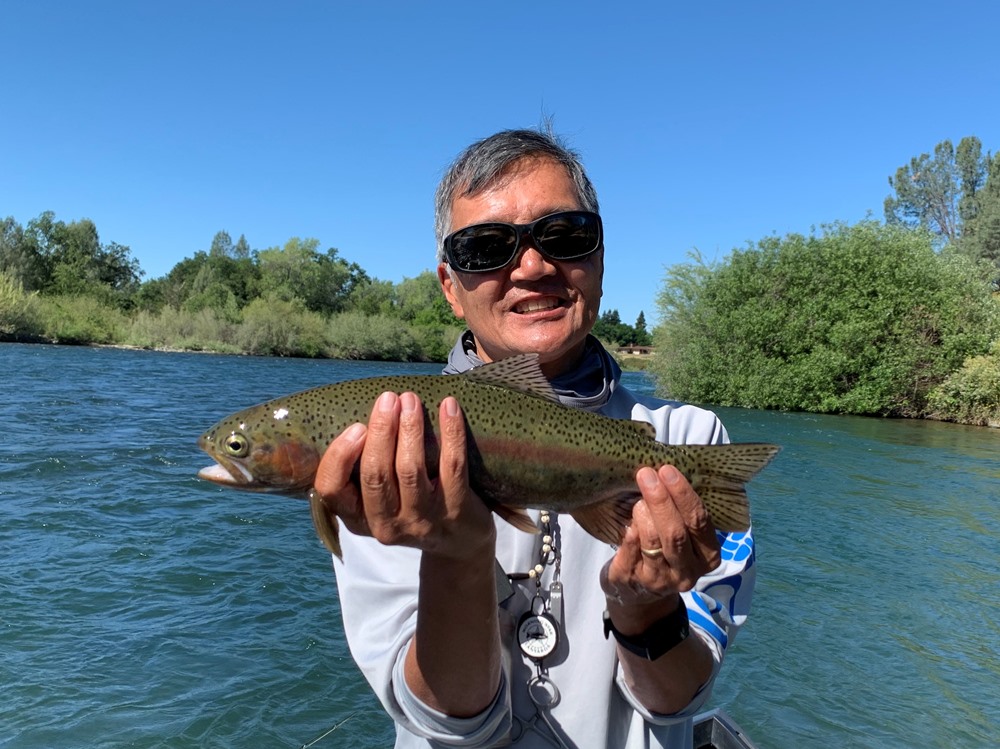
<point>534,304</point>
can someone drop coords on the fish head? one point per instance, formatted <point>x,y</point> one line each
<point>260,449</point>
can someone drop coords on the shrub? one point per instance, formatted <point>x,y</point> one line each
<point>203,330</point>
<point>863,319</point>
<point>19,312</point>
<point>435,341</point>
<point>972,394</point>
<point>352,335</point>
<point>81,319</point>
<point>276,327</point>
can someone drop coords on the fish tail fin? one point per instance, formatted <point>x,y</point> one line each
<point>720,478</point>
<point>727,503</point>
<point>326,524</point>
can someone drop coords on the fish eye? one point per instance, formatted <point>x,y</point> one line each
<point>237,446</point>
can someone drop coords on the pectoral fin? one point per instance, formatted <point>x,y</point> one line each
<point>607,520</point>
<point>326,526</point>
<point>520,519</point>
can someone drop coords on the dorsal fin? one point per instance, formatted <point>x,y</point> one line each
<point>521,372</point>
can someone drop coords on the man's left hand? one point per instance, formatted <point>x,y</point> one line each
<point>670,544</point>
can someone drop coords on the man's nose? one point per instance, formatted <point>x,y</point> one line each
<point>530,263</point>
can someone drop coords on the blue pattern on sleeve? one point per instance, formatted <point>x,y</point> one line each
<point>701,615</point>
<point>736,547</point>
<point>718,603</point>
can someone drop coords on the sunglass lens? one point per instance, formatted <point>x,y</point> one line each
<point>568,235</point>
<point>483,247</point>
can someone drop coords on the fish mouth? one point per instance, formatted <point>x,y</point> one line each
<point>227,473</point>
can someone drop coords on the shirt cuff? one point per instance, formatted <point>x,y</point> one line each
<point>697,702</point>
<point>422,720</point>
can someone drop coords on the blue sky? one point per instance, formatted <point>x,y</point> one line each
<point>703,125</point>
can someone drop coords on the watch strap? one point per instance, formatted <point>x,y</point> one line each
<point>658,639</point>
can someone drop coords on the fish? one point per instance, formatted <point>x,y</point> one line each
<point>526,450</point>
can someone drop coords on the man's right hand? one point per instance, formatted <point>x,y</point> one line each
<point>392,496</point>
<point>453,663</point>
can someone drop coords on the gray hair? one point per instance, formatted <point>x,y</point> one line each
<point>482,164</point>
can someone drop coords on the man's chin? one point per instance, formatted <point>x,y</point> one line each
<point>556,355</point>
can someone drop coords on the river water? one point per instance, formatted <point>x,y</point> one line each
<point>140,607</point>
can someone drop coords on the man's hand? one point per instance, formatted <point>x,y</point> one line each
<point>392,496</point>
<point>669,545</point>
<point>453,663</point>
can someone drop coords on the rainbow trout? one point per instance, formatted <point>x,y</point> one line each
<point>526,450</point>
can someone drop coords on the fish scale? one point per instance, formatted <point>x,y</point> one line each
<point>525,449</point>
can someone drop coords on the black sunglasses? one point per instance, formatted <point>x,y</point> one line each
<point>567,235</point>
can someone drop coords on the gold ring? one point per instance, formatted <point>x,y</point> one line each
<point>653,553</point>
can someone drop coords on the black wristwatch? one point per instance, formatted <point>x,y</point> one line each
<point>661,637</point>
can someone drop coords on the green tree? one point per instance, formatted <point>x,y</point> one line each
<point>76,263</point>
<point>117,269</point>
<point>280,327</point>
<point>981,236</point>
<point>81,319</point>
<point>210,290</point>
<point>324,282</point>
<point>939,193</point>
<point>862,319</point>
<point>972,394</point>
<point>373,297</point>
<point>174,289</point>
<point>972,168</point>
<point>241,251</point>
<point>609,327</point>
<point>21,258</point>
<point>420,300</point>
<point>642,336</point>
<point>73,248</point>
<point>353,335</point>
<point>606,326</point>
<point>222,245</point>
<point>203,281</point>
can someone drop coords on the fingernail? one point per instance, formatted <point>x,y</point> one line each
<point>386,402</point>
<point>408,402</point>
<point>672,475</point>
<point>450,406</point>
<point>647,477</point>
<point>354,432</point>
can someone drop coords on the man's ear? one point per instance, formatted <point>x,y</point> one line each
<point>448,287</point>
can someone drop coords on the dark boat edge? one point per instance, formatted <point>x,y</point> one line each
<point>715,729</point>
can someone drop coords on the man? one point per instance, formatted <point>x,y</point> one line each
<point>521,260</point>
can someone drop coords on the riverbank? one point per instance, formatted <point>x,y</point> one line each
<point>628,363</point>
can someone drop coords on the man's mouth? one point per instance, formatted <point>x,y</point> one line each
<point>537,305</point>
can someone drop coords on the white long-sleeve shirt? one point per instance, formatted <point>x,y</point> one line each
<point>378,588</point>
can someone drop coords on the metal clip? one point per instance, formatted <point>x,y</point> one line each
<point>556,601</point>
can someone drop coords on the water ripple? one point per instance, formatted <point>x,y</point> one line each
<point>144,608</point>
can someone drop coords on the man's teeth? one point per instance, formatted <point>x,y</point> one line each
<point>536,304</point>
